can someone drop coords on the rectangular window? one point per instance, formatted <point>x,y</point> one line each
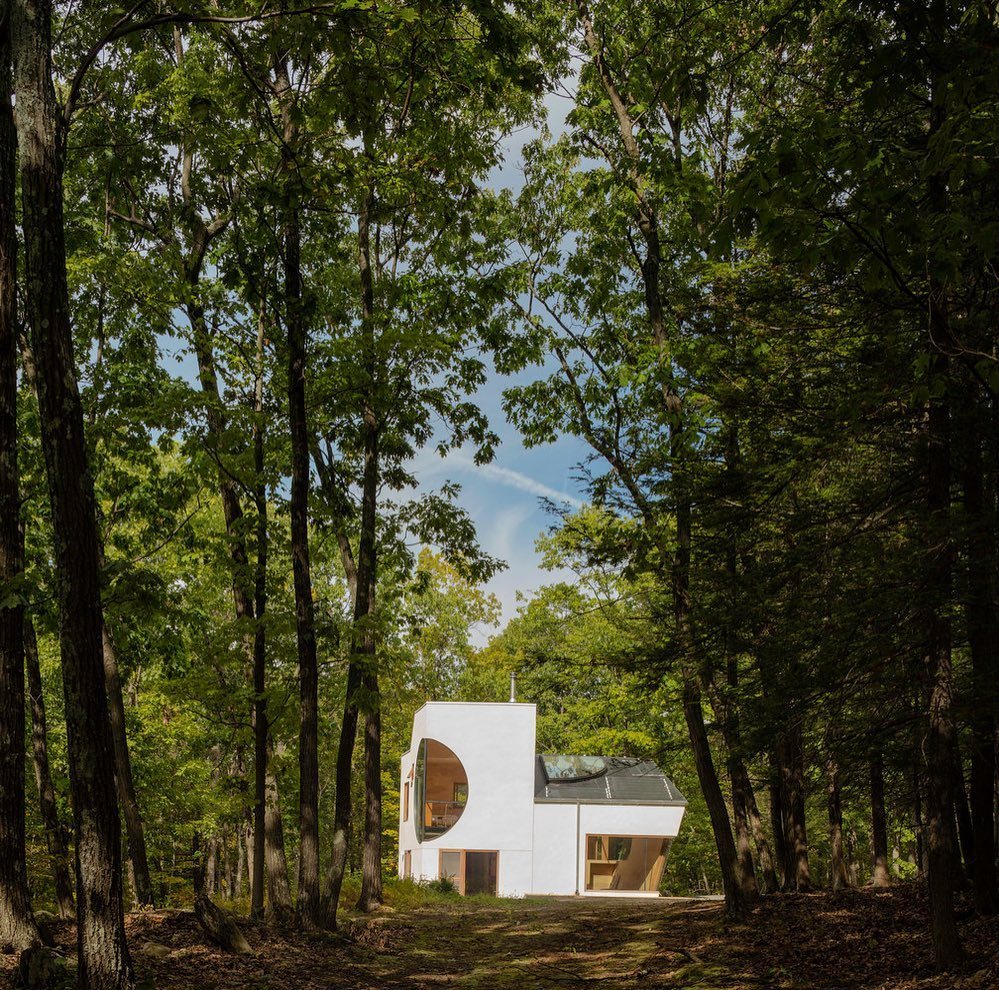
<point>451,867</point>
<point>625,862</point>
<point>407,865</point>
<point>405,802</point>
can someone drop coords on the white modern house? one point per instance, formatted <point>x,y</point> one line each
<point>481,806</point>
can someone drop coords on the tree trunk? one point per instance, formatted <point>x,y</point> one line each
<point>17,925</point>
<point>742,791</point>
<point>792,765</point>
<point>308,744</point>
<point>54,833</point>
<point>879,823</point>
<point>309,905</point>
<point>134,831</point>
<point>739,887</point>
<point>260,727</point>
<point>837,862</point>
<point>736,890</point>
<point>777,811</point>
<point>371,862</point>
<point>104,962</point>
<point>278,889</point>
<point>962,814</point>
<point>764,854</point>
<point>343,799</point>
<point>982,618</point>
<point>939,745</point>
<point>853,869</point>
<point>740,814</point>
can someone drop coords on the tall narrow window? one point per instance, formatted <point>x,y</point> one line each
<point>450,866</point>
<point>405,802</point>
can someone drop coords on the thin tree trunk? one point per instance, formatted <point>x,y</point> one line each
<point>249,853</point>
<point>278,889</point>
<point>348,725</point>
<point>736,895</point>
<point>371,860</point>
<point>104,962</point>
<point>880,876</point>
<point>939,742</point>
<point>939,746</point>
<point>343,799</point>
<point>796,871</point>
<point>134,832</point>
<point>853,871</point>
<point>260,727</point>
<point>239,873</point>
<point>777,811</point>
<point>54,833</point>
<point>740,887</point>
<point>837,862</point>
<point>362,671</point>
<point>962,814</point>
<point>740,814</point>
<point>17,925</point>
<point>309,905</point>
<point>727,715</point>
<point>764,854</point>
<point>982,618</point>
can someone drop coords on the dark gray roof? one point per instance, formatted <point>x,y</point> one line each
<point>625,781</point>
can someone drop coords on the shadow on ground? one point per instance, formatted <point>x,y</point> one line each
<point>853,941</point>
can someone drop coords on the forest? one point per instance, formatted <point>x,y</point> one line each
<point>259,262</point>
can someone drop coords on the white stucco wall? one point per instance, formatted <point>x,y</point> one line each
<point>495,743</point>
<point>555,851</point>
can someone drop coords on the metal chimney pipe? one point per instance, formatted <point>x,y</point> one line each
<point>513,685</point>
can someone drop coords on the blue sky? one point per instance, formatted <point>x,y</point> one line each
<point>506,497</point>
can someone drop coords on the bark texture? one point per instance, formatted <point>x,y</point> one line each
<point>371,859</point>
<point>839,879</point>
<point>104,962</point>
<point>17,926</point>
<point>134,832</point>
<point>982,618</point>
<point>879,823</point>
<point>55,834</point>
<point>278,889</point>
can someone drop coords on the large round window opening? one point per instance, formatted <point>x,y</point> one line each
<point>440,789</point>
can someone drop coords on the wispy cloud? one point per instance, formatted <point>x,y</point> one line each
<point>512,479</point>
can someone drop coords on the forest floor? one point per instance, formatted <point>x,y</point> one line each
<point>858,940</point>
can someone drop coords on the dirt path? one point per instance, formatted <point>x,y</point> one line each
<point>855,941</point>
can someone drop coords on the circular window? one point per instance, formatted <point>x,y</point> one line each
<point>440,790</point>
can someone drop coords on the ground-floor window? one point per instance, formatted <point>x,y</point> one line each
<point>473,871</point>
<point>625,862</point>
<point>407,865</point>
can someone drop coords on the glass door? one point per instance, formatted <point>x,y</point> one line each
<point>481,870</point>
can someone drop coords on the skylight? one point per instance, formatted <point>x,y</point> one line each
<point>566,768</point>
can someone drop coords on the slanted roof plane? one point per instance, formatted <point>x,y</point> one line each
<point>622,781</point>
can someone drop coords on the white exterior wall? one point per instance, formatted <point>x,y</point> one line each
<point>555,850</point>
<point>495,743</point>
